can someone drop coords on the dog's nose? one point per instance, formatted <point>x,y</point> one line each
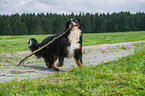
<point>73,20</point>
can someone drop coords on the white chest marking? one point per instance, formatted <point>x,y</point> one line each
<point>74,38</point>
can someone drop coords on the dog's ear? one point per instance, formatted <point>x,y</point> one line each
<point>78,20</point>
<point>81,26</point>
<point>67,24</point>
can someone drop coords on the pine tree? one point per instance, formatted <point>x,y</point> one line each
<point>54,23</point>
<point>7,30</point>
<point>87,23</point>
<point>104,26</point>
<point>15,29</point>
<point>1,25</point>
<point>22,29</point>
<point>92,21</point>
<point>97,24</point>
<point>38,30</point>
<point>33,24</point>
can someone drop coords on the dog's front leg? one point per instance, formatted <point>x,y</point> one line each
<point>78,57</point>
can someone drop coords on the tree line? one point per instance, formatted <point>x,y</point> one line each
<point>30,23</point>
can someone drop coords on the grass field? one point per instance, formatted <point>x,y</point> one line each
<point>125,76</point>
<point>19,43</point>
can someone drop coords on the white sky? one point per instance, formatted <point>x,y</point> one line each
<point>68,6</point>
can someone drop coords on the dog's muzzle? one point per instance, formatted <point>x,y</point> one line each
<point>74,25</point>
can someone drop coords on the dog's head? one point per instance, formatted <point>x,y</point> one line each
<point>74,22</point>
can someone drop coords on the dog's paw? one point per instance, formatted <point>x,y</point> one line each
<point>59,65</point>
<point>55,68</point>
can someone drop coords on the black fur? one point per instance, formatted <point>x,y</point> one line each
<point>59,48</point>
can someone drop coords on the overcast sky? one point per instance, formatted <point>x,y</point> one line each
<point>68,6</point>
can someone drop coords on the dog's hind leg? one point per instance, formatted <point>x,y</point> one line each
<point>61,61</point>
<point>78,57</point>
<point>50,62</point>
<point>47,64</point>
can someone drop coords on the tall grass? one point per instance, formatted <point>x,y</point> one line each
<point>123,77</point>
<point>19,43</point>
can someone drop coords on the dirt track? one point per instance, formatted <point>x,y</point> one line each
<point>34,67</point>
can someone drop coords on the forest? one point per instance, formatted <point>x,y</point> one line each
<point>49,23</point>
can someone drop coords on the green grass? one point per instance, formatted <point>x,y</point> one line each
<point>19,43</point>
<point>109,38</point>
<point>125,77</point>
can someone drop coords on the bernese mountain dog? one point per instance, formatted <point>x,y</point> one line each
<point>68,45</point>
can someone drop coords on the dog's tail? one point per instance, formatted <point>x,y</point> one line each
<point>34,45</point>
